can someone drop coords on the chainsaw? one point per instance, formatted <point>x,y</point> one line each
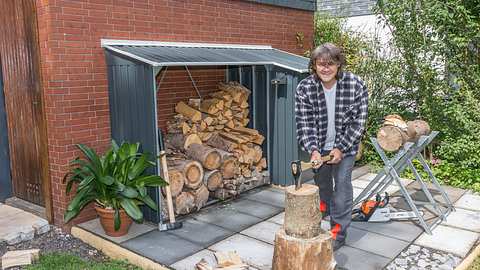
<point>376,211</point>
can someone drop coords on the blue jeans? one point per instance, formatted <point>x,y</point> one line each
<point>336,193</point>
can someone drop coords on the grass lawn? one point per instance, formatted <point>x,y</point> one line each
<point>67,261</point>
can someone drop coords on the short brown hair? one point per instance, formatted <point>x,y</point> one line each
<point>327,51</point>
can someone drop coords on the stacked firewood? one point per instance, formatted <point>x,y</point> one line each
<point>208,142</point>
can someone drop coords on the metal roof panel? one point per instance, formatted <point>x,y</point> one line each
<point>201,54</point>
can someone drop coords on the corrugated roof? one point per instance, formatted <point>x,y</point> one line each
<point>201,54</point>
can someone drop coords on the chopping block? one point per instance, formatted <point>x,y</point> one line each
<point>301,244</point>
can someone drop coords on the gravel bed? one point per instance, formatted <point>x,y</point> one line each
<point>417,257</point>
<point>57,241</point>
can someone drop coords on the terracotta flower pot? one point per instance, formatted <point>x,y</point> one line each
<point>108,223</point>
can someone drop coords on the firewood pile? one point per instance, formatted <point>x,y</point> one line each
<point>395,132</point>
<point>210,151</point>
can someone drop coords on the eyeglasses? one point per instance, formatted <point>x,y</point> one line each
<point>326,64</point>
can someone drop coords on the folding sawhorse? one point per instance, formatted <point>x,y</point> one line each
<point>392,170</point>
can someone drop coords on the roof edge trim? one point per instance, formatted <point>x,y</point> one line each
<point>117,42</point>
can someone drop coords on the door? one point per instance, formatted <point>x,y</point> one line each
<point>19,51</point>
<point>5,180</point>
<point>284,147</point>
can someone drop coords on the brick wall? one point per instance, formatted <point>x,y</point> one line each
<point>74,71</point>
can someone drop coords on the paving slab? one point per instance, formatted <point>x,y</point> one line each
<point>449,239</point>
<point>254,252</point>
<point>375,243</point>
<point>278,218</point>
<point>135,230</point>
<point>360,171</point>
<point>368,177</point>
<point>201,233</point>
<point>162,247</point>
<point>464,219</point>
<point>359,183</point>
<point>264,231</point>
<point>189,262</point>
<point>453,193</point>
<point>255,208</point>
<point>406,231</point>
<point>227,218</point>
<point>18,225</point>
<point>356,192</point>
<point>469,202</point>
<point>269,197</point>
<point>357,259</point>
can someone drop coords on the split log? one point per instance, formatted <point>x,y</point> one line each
<point>212,179</point>
<point>302,215</point>
<point>229,164</point>
<point>189,112</point>
<point>182,142</point>
<point>211,106</point>
<point>221,143</point>
<point>184,203</point>
<point>303,254</point>
<point>200,196</point>
<point>391,138</point>
<point>416,129</point>
<point>20,257</point>
<point>239,92</point>
<point>192,172</point>
<point>208,156</point>
<point>177,181</point>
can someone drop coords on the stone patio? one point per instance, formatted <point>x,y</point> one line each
<point>247,225</point>
<point>17,225</point>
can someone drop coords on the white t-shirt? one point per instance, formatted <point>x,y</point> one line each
<point>330,95</point>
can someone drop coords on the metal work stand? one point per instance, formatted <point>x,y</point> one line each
<point>395,166</point>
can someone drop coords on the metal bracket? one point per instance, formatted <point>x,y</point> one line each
<point>278,81</point>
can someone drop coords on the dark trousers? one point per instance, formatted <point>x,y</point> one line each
<point>336,194</point>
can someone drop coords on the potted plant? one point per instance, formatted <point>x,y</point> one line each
<point>116,182</point>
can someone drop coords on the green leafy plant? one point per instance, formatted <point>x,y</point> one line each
<point>116,180</point>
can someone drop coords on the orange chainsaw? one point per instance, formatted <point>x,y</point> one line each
<point>368,207</point>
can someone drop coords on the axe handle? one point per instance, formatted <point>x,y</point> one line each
<point>309,165</point>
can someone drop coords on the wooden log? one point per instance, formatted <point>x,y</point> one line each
<point>232,137</point>
<point>303,254</point>
<point>20,257</point>
<point>184,203</point>
<point>391,138</point>
<point>206,155</point>
<point>200,196</point>
<point>182,142</point>
<point>229,164</point>
<point>302,214</point>
<point>212,179</point>
<point>221,143</point>
<point>177,181</point>
<point>239,92</point>
<point>192,172</point>
<point>211,106</point>
<point>189,112</point>
<point>416,129</point>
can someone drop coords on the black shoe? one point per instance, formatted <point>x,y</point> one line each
<point>337,244</point>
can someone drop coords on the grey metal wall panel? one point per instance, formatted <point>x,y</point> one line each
<point>297,4</point>
<point>132,110</point>
<point>5,177</point>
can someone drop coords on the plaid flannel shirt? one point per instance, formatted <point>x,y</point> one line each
<point>351,108</point>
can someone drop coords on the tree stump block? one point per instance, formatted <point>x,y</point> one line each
<point>301,244</point>
<point>302,211</point>
<point>303,254</point>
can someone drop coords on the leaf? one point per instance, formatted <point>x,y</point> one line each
<point>129,192</point>
<point>148,201</point>
<point>131,208</point>
<point>116,219</point>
